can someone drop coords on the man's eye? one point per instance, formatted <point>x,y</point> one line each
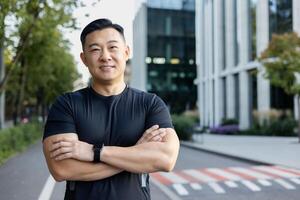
<point>113,47</point>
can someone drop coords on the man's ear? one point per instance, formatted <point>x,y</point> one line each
<point>127,52</point>
<point>82,56</point>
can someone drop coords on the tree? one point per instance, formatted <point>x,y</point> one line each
<point>282,62</point>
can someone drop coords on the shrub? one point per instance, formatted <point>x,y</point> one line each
<point>16,139</point>
<point>229,121</point>
<point>225,129</point>
<point>183,126</point>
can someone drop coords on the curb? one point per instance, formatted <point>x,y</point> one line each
<point>249,160</point>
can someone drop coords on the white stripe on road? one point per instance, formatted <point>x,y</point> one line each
<point>231,184</point>
<point>173,177</point>
<point>168,192</point>
<point>196,186</point>
<point>199,175</point>
<point>295,180</point>
<point>285,184</point>
<point>180,189</point>
<point>47,189</point>
<point>275,171</point>
<point>251,185</point>
<point>217,188</point>
<point>264,182</point>
<point>225,174</point>
<point>250,173</point>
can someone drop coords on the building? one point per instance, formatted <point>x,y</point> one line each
<point>164,52</point>
<point>230,35</point>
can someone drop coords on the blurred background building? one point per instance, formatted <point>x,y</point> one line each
<point>164,52</point>
<point>230,35</point>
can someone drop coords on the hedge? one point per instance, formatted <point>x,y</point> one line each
<point>17,139</point>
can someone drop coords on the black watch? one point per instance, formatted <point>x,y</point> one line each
<point>97,150</point>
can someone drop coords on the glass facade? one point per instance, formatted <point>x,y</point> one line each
<point>171,55</point>
<point>172,4</point>
<point>280,16</point>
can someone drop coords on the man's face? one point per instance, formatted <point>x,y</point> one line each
<point>105,54</point>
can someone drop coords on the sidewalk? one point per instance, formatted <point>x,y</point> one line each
<point>283,151</point>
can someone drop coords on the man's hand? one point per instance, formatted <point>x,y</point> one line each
<point>65,148</point>
<point>153,134</point>
<point>71,148</point>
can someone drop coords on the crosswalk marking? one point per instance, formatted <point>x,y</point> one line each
<point>275,171</point>
<point>255,178</point>
<point>225,174</point>
<point>231,184</point>
<point>217,188</point>
<point>288,169</point>
<point>173,177</point>
<point>285,184</point>
<point>180,189</point>
<point>196,186</point>
<point>251,185</point>
<point>199,175</point>
<point>295,180</point>
<point>250,173</point>
<point>264,182</point>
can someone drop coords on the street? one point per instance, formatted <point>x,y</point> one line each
<point>197,175</point>
<point>200,175</point>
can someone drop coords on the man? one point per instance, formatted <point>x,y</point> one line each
<point>105,139</point>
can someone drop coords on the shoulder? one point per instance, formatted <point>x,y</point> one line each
<point>150,99</point>
<point>72,97</point>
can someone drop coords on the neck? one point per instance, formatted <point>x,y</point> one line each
<point>109,89</point>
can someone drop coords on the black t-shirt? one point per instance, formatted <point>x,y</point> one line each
<point>118,120</point>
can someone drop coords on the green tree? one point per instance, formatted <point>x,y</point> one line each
<point>282,62</point>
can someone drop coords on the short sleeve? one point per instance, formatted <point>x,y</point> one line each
<point>60,118</point>
<point>158,113</point>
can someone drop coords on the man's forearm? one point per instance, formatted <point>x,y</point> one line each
<point>146,157</point>
<point>71,169</point>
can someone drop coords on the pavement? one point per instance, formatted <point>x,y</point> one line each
<point>284,151</point>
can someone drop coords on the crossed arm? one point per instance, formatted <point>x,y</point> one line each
<point>71,159</point>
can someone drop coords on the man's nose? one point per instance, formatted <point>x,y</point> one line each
<point>105,55</point>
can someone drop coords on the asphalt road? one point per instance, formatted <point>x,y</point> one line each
<point>197,175</point>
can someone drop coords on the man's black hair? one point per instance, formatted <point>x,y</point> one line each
<point>98,25</point>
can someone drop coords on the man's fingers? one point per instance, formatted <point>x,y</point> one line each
<point>151,129</point>
<point>62,150</point>
<point>60,144</point>
<point>63,156</point>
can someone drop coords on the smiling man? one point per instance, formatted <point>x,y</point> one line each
<point>105,139</point>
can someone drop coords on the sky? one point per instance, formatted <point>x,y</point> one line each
<point>119,11</point>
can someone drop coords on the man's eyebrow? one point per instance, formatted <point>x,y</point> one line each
<point>113,41</point>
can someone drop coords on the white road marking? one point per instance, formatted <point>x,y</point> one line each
<point>174,177</point>
<point>231,184</point>
<point>225,174</point>
<point>199,175</point>
<point>47,189</point>
<point>180,189</point>
<point>217,188</point>
<point>165,189</point>
<point>285,184</point>
<point>250,172</point>
<point>264,182</point>
<point>276,171</point>
<point>251,186</point>
<point>196,186</point>
<point>295,180</point>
